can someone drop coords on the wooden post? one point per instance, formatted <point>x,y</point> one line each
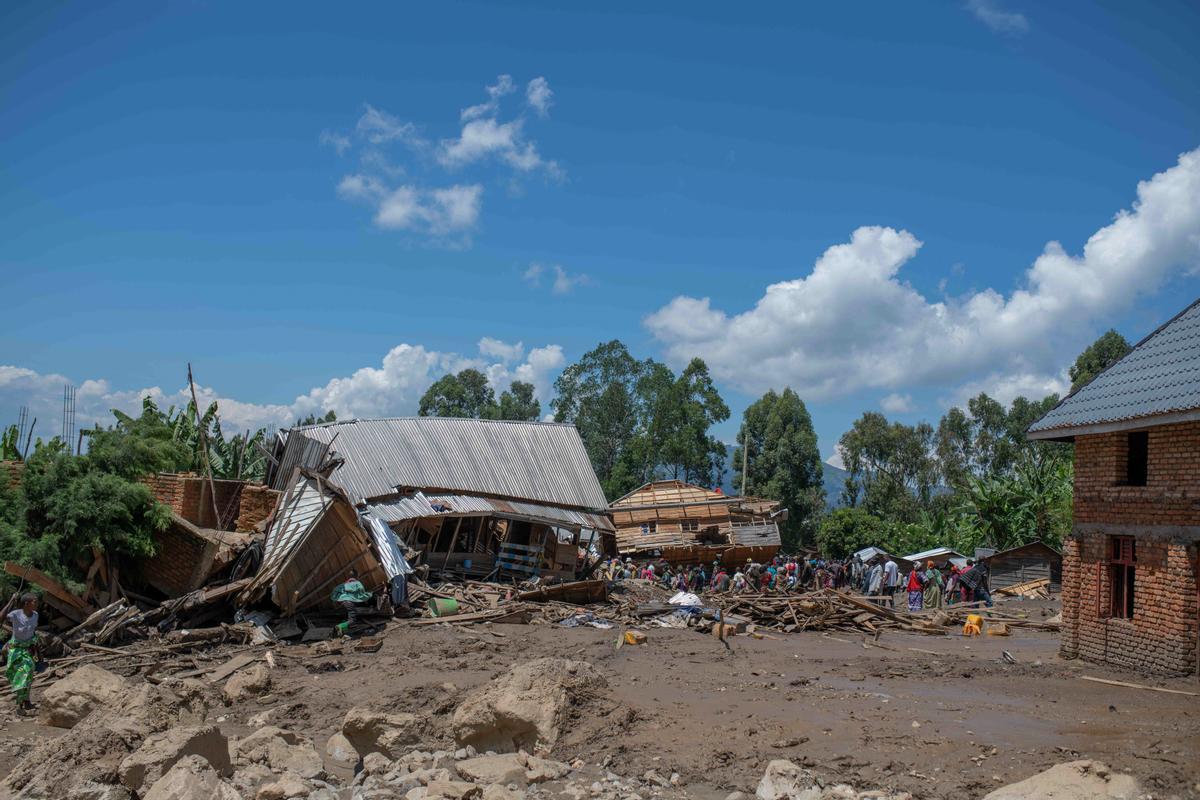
<point>453,541</point>
<point>212,489</point>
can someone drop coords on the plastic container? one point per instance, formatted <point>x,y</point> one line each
<point>443,606</point>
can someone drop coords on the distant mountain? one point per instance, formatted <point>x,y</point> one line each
<point>835,479</point>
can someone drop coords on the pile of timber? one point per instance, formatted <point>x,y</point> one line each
<point>821,610</point>
<point>1030,590</point>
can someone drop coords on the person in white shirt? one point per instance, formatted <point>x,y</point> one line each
<point>891,579</point>
<point>22,650</point>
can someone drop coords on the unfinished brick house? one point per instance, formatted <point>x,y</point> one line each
<point>1130,569</point>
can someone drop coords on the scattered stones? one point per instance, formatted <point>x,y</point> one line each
<point>289,786</point>
<point>281,751</point>
<point>159,752</point>
<point>68,700</point>
<point>502,769</point>
<point>341,751</point>
<point>452,790</point>
<point>526,707</point>
<point>784,780</point>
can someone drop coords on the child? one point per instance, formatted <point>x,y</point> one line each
<point>22,650</point>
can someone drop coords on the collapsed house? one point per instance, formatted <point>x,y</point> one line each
<point>463,498</point>
<point>1131,566</point>
<point>1016,566</point>
<point>687,524</point>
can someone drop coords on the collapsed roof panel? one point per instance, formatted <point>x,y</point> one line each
<point>538,462</point>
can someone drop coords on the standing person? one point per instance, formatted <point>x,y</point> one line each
<point>875,581</point>
<point>891,581</point>
<point>933,586</point>
<point>976,580</point>
<point>721,581</point>
<point>739,582</point>
<point>22,650</point>
<point>916,590</point>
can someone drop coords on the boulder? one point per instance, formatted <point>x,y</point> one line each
<point>393,734</point>
<point>159,752</point>
<point>192,778</point>
<point>452,790</point>
<point>784,780</point>
<point>1075,780</point>
<point>339,749</point>
<point>288,786</point>
<point>526,707</point>
<point>247,683</point>
<point>503,769</point>
<point>540,770</point>
<point>282,751</point>
<point>68,700</point>
<point>91,790</point>
<point>497,792</point>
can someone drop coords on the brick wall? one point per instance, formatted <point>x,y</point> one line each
<point>1164,518</point>
<point>180,563</point>
<point>13,470</point>
<point>257,503</point>
<point>1171,495</point>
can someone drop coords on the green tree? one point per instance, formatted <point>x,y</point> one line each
<point>1101,354</point>
<point>892,472</point>
<point>688,451</point>
<point>987,439</point>
<point>597,395</point>
<point>312,419</point>
<point>467,394</point>
<point>845,531</point>
<point>783,462</point>
<point>518,403</point>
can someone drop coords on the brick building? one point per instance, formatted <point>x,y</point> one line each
<point>1131,577</point>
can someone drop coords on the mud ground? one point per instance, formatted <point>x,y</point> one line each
<point>954,722</point>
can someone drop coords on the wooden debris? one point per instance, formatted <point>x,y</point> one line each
<point>1129,685</point>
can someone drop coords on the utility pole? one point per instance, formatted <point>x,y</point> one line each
<point>745,457</point>
<point>212,489</point>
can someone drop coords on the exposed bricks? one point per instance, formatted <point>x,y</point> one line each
<point>13,470</point>
<point>257,503</point>
<point>187,494</point>
<point>1164,518</point>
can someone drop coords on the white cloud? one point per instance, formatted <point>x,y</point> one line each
<point>453,210</point>
<point>991,14</point>
<point>380,127</point>
<point>504,351</point>
<point>503,85</point>
<point>564,282</point>
<point>393,388</point>
<point>852,323</point>
<point>539,96</point>
<point>896,403</point>
<point>338,141</point>
<point>481,138</point>
<point>533,275</point>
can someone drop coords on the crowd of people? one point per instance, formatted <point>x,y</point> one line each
<point>879,579</point>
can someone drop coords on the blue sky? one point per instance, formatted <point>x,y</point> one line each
<point>325,207</point>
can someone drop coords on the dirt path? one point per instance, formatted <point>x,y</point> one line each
<point>955,724</point>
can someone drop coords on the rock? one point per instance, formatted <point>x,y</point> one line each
<point>191,779</point>
<point>783,780</point>
<point>246,683</point>
<point>159,752</point>
<point>498,792</point>
<point>287,787</point>
<point>1075,780</point>
<point>91,790</point>
<point>247,779</point>
<point>737,796</point>
<point>68,700</point>
<point>282,751</point>
<point>341,751</point>
<point>371,731</point>
<point>451,790</point>
<point>540,770</point>
<point>375,763</point>
<point>501,769</point>
<point>526,707</point>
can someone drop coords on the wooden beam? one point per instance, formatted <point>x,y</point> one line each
<point>46,583</point>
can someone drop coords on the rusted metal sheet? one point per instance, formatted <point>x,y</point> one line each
<point>436,505</point>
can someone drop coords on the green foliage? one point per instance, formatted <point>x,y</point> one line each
<point>844,531</point>
<point>467,394</point>
<point>783,462</point>
<point>639,421</point>
<point>987,439</point>
<point>142,446</point>
<point>1101,354</point>
<point>892,472</point>
<point>312,419</point>
<point>518,403</point>
<point>10,444</point>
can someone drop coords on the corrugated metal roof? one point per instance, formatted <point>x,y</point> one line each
<point>1161,375</point>
<point>934,553</point>
<point>422,505</point>
<point>541,462</point>
<point>303,510</point>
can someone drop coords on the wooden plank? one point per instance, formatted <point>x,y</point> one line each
<point>45,582</point>
<point>1129,685</point>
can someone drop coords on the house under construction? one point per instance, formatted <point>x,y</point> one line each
<point>687,524</point>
